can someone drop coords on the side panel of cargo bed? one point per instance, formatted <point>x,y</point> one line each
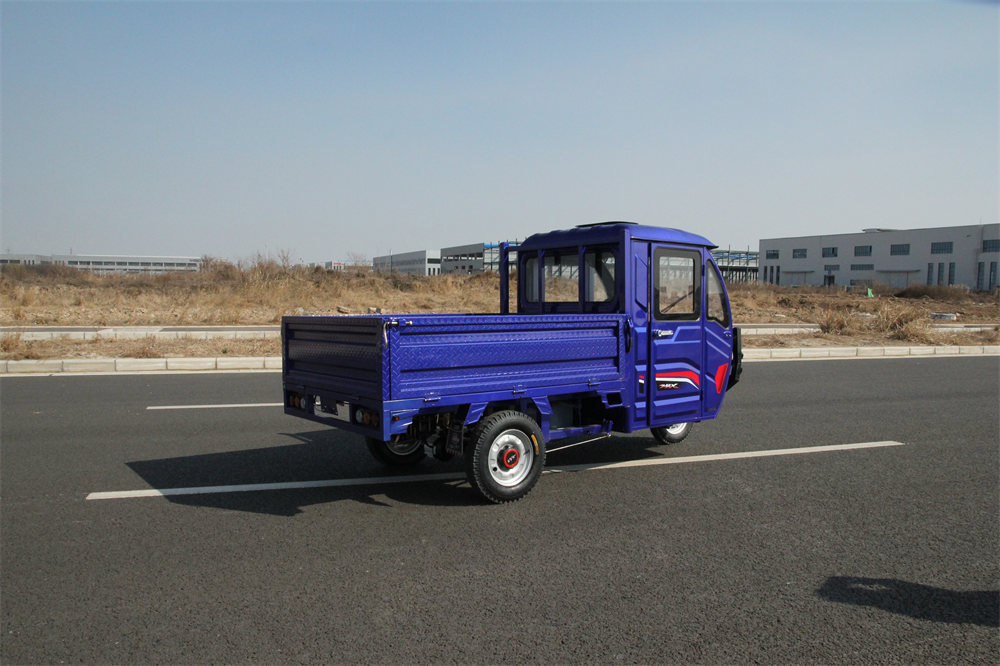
<point>340,354</point>
<point>445,355</point>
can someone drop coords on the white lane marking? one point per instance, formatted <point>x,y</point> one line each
<point>245,404</point>
<point>724,456</point>
<point>287,485</point>
<point>387,480</point>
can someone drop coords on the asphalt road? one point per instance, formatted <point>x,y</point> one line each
<point>885,554</point>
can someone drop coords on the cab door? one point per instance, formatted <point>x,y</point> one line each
<point>675,378</point>
<point>718,341</point>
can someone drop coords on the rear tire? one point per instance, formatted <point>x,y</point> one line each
<point>671,434</point>
<point>396,454</point>
<point>506,456</point>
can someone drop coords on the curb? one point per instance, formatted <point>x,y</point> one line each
<point>142,333</point>
<point>814,353</point>
<point>235,363</point>
<point>140,365</point>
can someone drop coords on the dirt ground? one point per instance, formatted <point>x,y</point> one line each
<point>262,292</point>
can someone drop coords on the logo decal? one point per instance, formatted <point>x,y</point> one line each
<point>669,381</point>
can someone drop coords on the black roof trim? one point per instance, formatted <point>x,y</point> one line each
<point>604,224</point>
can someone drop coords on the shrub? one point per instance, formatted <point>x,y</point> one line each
<point>837,322</point>
<point>10,342</point>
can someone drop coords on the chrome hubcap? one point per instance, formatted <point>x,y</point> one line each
<point>510,458</point>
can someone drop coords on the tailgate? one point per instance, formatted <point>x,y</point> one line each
<point>339,355</point>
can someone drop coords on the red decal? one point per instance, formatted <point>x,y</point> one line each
<point>720,377</point>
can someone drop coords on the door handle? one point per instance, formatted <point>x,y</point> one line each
<point>662,334</point>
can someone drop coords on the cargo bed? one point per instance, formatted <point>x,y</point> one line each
<point>391,366</point>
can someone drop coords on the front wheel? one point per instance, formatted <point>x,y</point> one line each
<point>671,434</point>
<point>397,453</point>
<point>506,456</point>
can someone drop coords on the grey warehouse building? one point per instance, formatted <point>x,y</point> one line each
<point>938,256</point>
<point>420,262</point>
<point>474,258</point>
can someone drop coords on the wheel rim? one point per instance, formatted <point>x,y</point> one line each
<point>510,458</point>
<point>676,429</point>
<point>404,447</point>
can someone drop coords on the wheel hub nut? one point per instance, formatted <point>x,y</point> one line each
<point>509,458</point>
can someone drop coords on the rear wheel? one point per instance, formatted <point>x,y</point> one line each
<point>506,456</point>
<point>671,434</point>
<point>396,453</point>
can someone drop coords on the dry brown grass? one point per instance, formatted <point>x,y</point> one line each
<point>761,303</point>
<point>261,291</point>
<point>256,292</point>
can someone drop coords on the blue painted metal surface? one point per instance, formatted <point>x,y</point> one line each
<point>620,357</point>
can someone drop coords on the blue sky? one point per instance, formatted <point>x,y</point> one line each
<point>327,130</point>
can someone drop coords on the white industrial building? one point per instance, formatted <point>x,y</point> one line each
<point>105,264</point>
<point>939,256</point>
<point>420,262</point>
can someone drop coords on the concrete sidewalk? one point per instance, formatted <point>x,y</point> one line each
<point>273,363</point>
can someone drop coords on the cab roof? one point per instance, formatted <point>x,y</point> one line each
<point>612,232</point>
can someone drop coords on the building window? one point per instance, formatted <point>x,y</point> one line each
<point>951,273</point>
<point>940,279</point>
<point>829,268</point>
<point>991,245</point>
<point>993,274</point>
<point>829,252</point>
<point>899,250</point>
<point>771,254</point>
<point>941,248</point>
<point>799,254</point>
<point>777,280</point>
<point>862,250</point>
<point>862,267</point>
<point>980,273</point>
<point>930,274</point>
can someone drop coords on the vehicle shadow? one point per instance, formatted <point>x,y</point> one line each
<point>329,455</point>
<point>922,602</point>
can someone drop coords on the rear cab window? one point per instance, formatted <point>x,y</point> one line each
<point>570,280</point>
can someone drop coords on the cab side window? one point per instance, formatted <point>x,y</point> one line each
<point>599,276</point>
<point>677,288</point>
<point>718,308</point>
